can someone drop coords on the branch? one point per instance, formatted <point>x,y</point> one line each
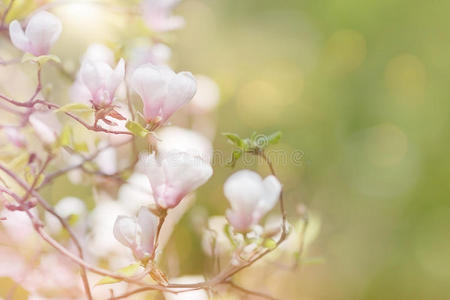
<point>250,292</point>
<point>48,208</point>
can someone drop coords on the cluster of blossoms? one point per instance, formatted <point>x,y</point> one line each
<point>154,189</point>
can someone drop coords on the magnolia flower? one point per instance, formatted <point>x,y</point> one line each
<point>157,15</point>
<point>137,234</point>
<point>41,33</point>
<point>174,175</point>
<point>95,52</point>
<point>162,91</point>
<point>250,197</point>
<point>101,80</point>
<point>46,126</point>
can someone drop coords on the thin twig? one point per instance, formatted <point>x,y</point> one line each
<point>250,292</point>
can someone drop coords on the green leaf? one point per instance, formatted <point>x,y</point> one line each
<point>128,271</point>
<point>274,138</point>
<point>136,129</point>
<point>269,243</point>
<point>65,138</point>
<point>81,147</point>
<point>234,158</point>
<point>79,107</point>
<point>40,59</point>
<point>234,139</point>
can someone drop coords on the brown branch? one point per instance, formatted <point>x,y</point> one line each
<point>250,292</point>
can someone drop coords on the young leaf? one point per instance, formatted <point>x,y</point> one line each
<point>128,271</point>
<point>234,139</point>
<point>65,138</point>
<point>72,107</point>
<point>136,129</point>
<point>274,138</point>
<point>269,243</point>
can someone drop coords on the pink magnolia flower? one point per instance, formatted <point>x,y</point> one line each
<point>162,91</point>
<point>101,80</point>
<point>157,15</point>
<point>137,234</point>
<point>250,197</point>
<point>41,33</point>
<point>95,52</point>
<point>173,175</point>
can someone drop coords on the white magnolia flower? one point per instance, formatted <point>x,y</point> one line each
<point>174,175</point>
<point>41,33</point>
<point>137,234</point>
<point>101,80</point>
<point>250,198</point>
<point>162,90</point>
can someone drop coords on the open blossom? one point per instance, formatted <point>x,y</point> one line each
<point>157,15</point>
<point>95,52</point>
<point>162,91</point>
<point>137,234</point>
<point>41,33</point>
<point>101,80</point>
<point>174,175</point>
<point>250,198</point>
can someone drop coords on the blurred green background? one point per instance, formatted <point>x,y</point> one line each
<point>361,88</point>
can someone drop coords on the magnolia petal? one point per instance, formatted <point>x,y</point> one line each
<point>116,77</point>
<point>184,173</point>
<point>90,77</point>
<point>149,224</point>
<point>147,81</point>
<point>126,231</point>
<point>243,190</point>
<point>181,89</point>
<point>272,190</point>
<point>18,37</point>
<point>240,221</point>
<point>42,31</point>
